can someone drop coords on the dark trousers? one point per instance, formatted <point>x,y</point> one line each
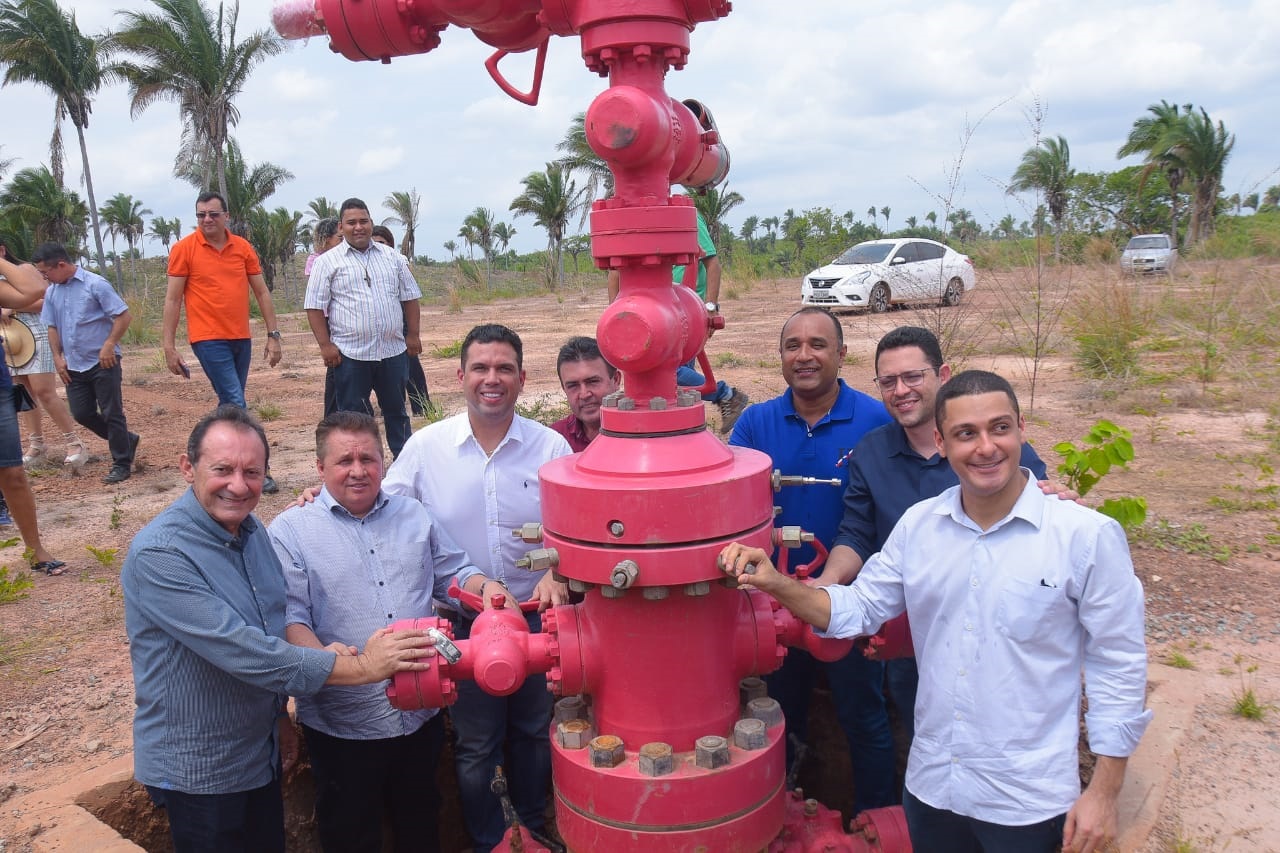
<point>97,403</point>
<point>483,724</point>
<point>903,680</point>
<point>858,695</point>
<point>243,822</point>
<point>419,396</point>
<point>358,781</point>
<point>942,831</point>
<point>353,380</point>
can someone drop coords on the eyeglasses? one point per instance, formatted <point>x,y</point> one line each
<point>208,214</point>
<point>909,378</point>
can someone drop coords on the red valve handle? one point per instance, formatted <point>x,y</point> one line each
<point>476,603</point>
<point>531,97</point>
<point>819,557</point>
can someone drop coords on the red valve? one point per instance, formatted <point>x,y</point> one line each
<point>499,601</point>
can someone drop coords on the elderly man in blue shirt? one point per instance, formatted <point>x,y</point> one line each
<point>354,560</point>
<point>809,431</point>
<point>1013,594</point>
<point>204,600</point>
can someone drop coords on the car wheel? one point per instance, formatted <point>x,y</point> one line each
<point>879,299</point>
<point>955,290</point>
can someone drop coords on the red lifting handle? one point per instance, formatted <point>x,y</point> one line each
<point>476,603</point>
<point>530,97</point>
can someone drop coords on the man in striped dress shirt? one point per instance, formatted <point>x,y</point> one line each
<point>362,305</point>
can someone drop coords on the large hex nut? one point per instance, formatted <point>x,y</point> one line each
<point>607,751</point>
<point>574,734</point>
<point>751,687</point>
<point>750,733</point>
<point>656,759</point>
<point>624,574</point>
<point>711,752</point>
<point>766,710</point>
<point>539,559</point>
<point>530,531</point>
<point>570,708</point>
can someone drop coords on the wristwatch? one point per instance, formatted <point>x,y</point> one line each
<point>712,307</point>
<point>275,334</point>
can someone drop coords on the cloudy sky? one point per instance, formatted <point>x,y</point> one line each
<point>829,103</point>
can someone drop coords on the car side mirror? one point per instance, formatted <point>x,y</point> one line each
<point>897,260</point>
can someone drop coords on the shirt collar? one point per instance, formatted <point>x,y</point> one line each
<point>1029,507</point>
<point>515,432</point>
<point>841,409</point>
<point>331,505</point>
<point>188,505</point>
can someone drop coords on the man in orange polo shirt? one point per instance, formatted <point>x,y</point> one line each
<point>211,271</point>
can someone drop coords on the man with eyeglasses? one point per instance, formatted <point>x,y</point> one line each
<point>895,466</point>
<point>211,272</point>
<point>362,306</point>
<point>809,430</point>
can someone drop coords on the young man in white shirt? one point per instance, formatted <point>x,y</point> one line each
<point>1012,594</point>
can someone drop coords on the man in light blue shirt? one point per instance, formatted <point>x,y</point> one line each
<point>355,560</point>
<point>86,320</point>
<point>1012,594</point>
<point>204,608</point>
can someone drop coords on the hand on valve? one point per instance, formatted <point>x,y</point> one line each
<point>752,569</point>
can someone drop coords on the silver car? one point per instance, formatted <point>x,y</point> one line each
<point>880,273</point>
<point>1148,254</point>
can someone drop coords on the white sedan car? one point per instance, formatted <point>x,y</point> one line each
<point>880,273</point>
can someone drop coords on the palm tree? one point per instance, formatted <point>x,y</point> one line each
<point>912,222</point>
<point>1007,226</point>
<point>748,232</point>
<point>165,230</point>
<point>123,216</point>
<point>186,54</point>
<point>871,212</point>
<point>39,205</point>
<point>452,248</point>
<point>321,208</point>
<point>1046,168</point>
<point>714,205</point>
<point>884,211</point>
<point>580,157</point>
<point>1154,137</point>
<point>41,44</point>
<point>404,206</point>
<point>503,234</point>
<point>1250,201</point>
<point>274,236</point>
<point>6,163</point>
<point>770,226</point>
<point>477,230</point>
<point>247,186</point>
<point>932,216</point>
<point>1204,148</point>
<point>552,200</point>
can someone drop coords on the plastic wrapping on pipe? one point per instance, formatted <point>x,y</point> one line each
<point>296,19</point>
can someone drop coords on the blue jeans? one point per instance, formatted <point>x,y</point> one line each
<point>483,724</point>
<point>942,831</point>
<point>687,377</point>
<point>353,380</point>
<point>242,822</point>
<point>857,692</point>
<point>226,363</point>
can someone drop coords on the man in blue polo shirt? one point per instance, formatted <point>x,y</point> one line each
<point>898,465</point>
<point>810,430</point>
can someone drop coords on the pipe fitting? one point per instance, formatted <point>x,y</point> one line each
<point>530,532</point>
<point>539,559</point>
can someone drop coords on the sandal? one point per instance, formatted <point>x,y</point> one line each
<point>52,568</point>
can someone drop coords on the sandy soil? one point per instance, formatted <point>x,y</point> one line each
<point>65,687</point>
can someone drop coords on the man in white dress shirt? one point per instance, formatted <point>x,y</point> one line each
<point>362,306</point>
<point>477,475</point>
<point>1012,594</point>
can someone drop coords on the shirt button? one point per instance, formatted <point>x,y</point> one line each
<point>389,616</point>
<point>968,626</point>
<point>959,716</point>
<point>973,582</point>
<point>963,672</point>
<point>955,761</point>
<point>380,583</point>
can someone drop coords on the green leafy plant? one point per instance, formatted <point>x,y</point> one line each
<point>453,350</point>
<point>116,512</point>
<point>12,589</point>
<point>1178,660</point>
<point>268,411</point>
<point>106,557</point>
<point>1105,446</point>
<point>1189,539</point>
<point>10,542</point>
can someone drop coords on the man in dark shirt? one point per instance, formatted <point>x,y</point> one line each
<point>895,466</point>
<point>586,379</point>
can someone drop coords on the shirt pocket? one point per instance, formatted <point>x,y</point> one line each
<point>1029,610</point>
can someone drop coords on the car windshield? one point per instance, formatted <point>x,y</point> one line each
<point>865,253</point>
<point>1160,242</point>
